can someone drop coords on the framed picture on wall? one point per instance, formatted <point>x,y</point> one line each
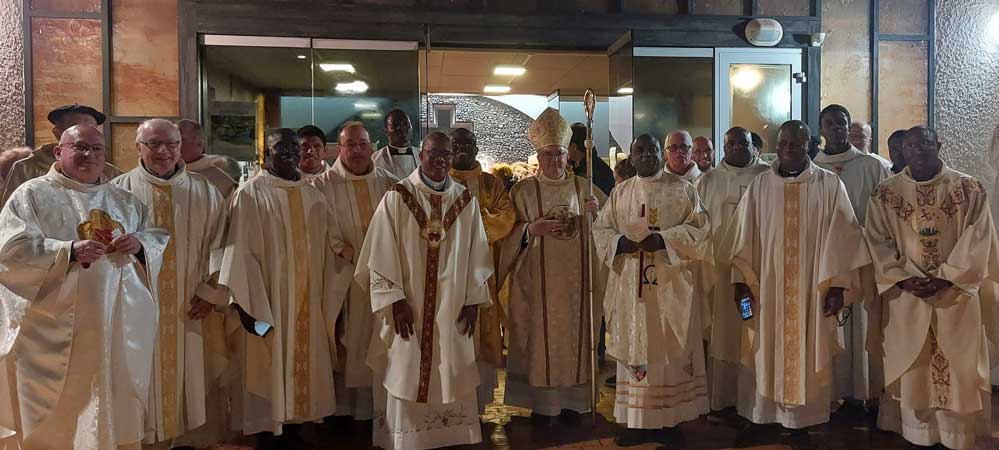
<point>232,130</point>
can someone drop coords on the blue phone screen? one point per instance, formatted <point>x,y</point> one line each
<point>746,308</point>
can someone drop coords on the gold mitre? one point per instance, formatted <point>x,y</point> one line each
<point>549,129</point>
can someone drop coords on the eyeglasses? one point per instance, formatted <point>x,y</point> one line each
<point>440,156</point>
<point>88,149</point>
<point>550,155</point>
<point>678,148</point>
<point>158,145</point>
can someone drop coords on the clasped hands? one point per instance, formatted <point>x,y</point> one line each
<point>87,251</point>
<point>924,287</point>
<point>830,307</point>
<point>402,316</point>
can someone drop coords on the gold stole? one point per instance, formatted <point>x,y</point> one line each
<point>583,287</point>
<point>167,284</point>
<point>300,370</point>
<point>433,231</point>
<point>792,336</point>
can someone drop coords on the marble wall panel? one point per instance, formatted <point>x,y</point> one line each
<point>784,7</point>
<point>144,72</point>
<point>11,76</point>
<point>902,91</point>
<point>66,5</point>
<point>903,16</point>
<point>65,68</point>
<point>846,56</point>
<point>123,151</point>
<point>650,6</point>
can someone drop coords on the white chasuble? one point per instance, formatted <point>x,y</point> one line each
<point>720,190</point>
<point>796,237</point>
<point>192,211</point>
<point>550,325</point>
<point>35,165</point>
<point>429,249</point>
<point>858,372</point>
<point>936,354</point>
<point>208,168</point>
<point>77,340</point>
<point>692,176</point>
<point>279,264</point>
<point>354,199</point>
<point>651,303</point>
<point>401,162</point>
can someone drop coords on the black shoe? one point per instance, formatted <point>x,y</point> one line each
<point>672,437</point>
<point>611,382</point>
<point>569,417</point>
<point>539,420</point>
<point>630,437</point>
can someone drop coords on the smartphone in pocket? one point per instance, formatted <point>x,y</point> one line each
<point>746,308</point>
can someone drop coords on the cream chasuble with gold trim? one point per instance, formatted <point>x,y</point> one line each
<point>796,237</point>
<point>936,350</point>
<point>79,341</point>
<point>279,264</point>
<point>192,211</point>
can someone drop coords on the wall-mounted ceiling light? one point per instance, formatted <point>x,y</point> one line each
<point>746,79</point>
<point>626,91</point>
<point>365,105</point>
<point>337,67</point>
<point>354,87</point>
<point>509,70</point>
<point>301,56</point>
<point>496,89</point>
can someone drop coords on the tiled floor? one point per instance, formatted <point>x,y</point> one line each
<point>511,428</point>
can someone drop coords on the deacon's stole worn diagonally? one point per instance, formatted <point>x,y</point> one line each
<point>433,231</point>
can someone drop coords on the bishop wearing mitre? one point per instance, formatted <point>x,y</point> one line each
<point>549,359</point>
<point>652,234</point>
<point>498,217</point>
<point>354,187</point>
<point>280,256</point>
<point>426,259</point>
<point>79,262</point>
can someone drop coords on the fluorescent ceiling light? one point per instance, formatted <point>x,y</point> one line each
<point>371,115</point>
<point>626,91</point>
<point>337,67</point>
<point>365,105</point>
<point>496,89</point>
<point>354,87</point>
<point>509,70</point>
<point>301,56</point>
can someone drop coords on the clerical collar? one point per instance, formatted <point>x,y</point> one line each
<point>438,186</point>
<point>542,177</point>
<point>400,150</point>
<point>652,177</point>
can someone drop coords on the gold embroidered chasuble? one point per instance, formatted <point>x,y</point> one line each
<point>720,190</point>
<point>498,216</point>
<point>650,304</point>
<point>430,249</point>
<point>279,264</point>
<point>943,228</point>
<point>354,199</point>
<point>192,211</point>
<point>80,339</point>
<point>549,301</point>
<point>37,164</point>
<point>796,237</point>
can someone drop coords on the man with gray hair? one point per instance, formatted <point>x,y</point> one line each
<point>860,137</point>
<point>79,265</point>
<point>41,160</point>
<point>217,169</point>
<point>188,207</point>
<point>679,157</point>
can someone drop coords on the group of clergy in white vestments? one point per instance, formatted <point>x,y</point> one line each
<point>168,307</point>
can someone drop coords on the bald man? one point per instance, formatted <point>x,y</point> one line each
<point>860,136</point>
<point>426,259</point>
<point>353,186</point>
<point>679,156</point>
<point>188,207</point>
<point>41,160</point>
<point>704,153</point>
<point>798,248</point>
<point>81,263</point>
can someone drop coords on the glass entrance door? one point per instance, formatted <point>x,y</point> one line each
<point>757,89</point>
